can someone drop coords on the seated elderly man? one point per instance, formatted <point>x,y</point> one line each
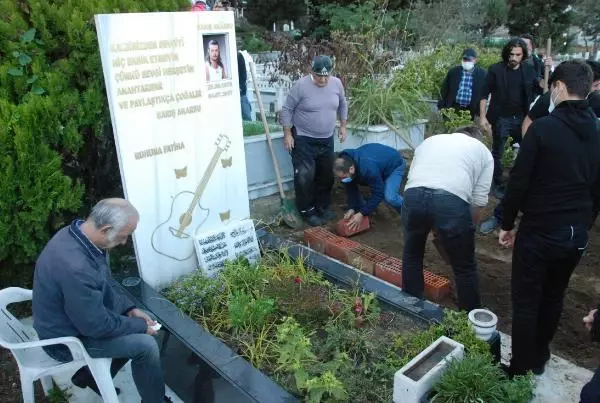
<point>73,296</point>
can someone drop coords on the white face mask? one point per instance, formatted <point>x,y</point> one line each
<point>468,66</point>
<point>552,102</point>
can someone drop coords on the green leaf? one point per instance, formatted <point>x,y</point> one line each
<point>32,79</point>
<point>16,53</point>
<point>28,36</point>
<point>39,42</point>
<point>38,90</point>
<point>24,59</point>
<point>15,71</point>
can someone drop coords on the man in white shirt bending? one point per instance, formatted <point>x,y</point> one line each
<point>448,184</point>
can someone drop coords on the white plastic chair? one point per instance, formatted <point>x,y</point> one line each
<point>33,361</point>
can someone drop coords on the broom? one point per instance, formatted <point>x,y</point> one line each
<point>288,210</point>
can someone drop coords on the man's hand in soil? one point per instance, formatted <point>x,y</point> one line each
<point>355,221</point>
<point>349,214</point>
<point>589,319</point>
<point>507,238</point>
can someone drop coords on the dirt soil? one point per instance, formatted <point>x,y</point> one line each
<point>572,340</point>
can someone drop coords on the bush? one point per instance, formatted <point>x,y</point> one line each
<point>58,153</point>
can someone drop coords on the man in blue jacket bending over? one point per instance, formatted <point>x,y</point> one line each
<point>378,166</point>
<point>73,296</point>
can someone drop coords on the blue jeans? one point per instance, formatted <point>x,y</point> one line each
<point>246,108</point>
<point>425,209</point>
<point>143,351</point>
<point>392,188</point>
<point>504,127</point>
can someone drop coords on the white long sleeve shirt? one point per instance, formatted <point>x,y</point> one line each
<point>456,163</point>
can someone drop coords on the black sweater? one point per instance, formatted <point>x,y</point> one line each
<point>554,181</point>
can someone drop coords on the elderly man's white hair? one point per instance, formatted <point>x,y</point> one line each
<point>114,212</point>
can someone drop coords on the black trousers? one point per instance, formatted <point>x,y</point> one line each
<point>590,393</point>
<point>543,261</point>
<point>312,159</point>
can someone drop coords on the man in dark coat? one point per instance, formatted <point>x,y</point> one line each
<point>463,85</point>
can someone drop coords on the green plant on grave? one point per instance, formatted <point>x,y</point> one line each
<point>294,351</point>
<point>454,119</point>
<point>248,313</point>
<point>240,275</point>
<point>476,379</point>
<point>326,385</point>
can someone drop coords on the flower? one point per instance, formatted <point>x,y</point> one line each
<point>297,280</point>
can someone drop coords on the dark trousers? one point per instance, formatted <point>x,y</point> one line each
<point>503,128</point>
<point>590,393</point>
<point>543,262</point>
<point>426,209</point>
<point>313,172</point>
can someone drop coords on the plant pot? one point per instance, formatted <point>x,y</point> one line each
<point>359,135</point>
<point>483,323</point>
<point>260,174</point>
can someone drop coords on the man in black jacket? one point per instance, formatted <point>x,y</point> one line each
<point>462,87</point>
<point>554,182</point>
<point>511,84</point>
<point>542,108</point>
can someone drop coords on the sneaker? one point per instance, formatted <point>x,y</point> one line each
<point>498,192</point>
<point>80,380</point>
<point>489,225</point>
<point>326,214</point>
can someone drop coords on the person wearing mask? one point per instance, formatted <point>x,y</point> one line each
<point>199,5</point>
<point>543,107</point>
<point>557,201</point>
<point>510,83</point>
<point>463,85</point>
<point>378,166</point>
<point>73,295</point>
<point>448,185</point>
<point>309,117</point>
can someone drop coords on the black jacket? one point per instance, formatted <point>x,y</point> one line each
<point>497,86</point>
<point>555,178</point>
<point>450,88</point>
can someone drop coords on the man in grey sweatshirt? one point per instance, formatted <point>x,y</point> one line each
<point>309,117</point>
<point>73,295</point>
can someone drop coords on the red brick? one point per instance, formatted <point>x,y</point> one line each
<point>343,230</point>
<point>390,270</point>
<point>436,287</point>
<point>316,238</point>
<point>365,258</point>
<point>338,248</point>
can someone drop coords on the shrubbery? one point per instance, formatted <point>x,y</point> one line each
<point>58,153</point>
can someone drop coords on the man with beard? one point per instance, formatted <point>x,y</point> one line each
<point>541,108</point>
<point>511,84</point>
<point>376,165</point>
<point>554,182</point>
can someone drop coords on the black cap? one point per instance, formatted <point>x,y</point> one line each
<point>469,54</point>
<point>322,65</point>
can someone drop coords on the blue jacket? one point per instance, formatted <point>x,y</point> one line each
<point>374,163</point>
<point>73,294</point>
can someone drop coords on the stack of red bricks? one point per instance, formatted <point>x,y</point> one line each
<point>371,261</point>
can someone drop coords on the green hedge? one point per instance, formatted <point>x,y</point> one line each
<point>58,155</point>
